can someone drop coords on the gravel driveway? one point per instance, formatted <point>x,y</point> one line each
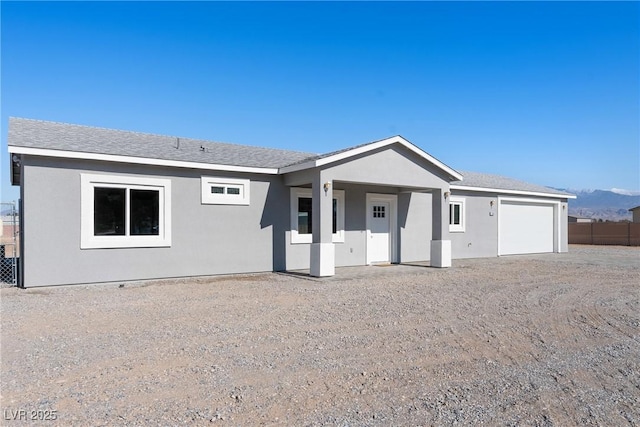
<point>524,340</point>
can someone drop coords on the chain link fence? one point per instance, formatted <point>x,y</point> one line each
<point>9,244</point>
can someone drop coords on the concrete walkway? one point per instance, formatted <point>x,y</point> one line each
<point>364,271</point>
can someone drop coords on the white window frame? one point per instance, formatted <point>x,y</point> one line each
<point>88,182</point>
<point>457,228</point>
<point>296,238</point>
<point>209,198</point>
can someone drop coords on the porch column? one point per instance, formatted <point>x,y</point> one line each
<point>322,249</point>
<point>440,245</point>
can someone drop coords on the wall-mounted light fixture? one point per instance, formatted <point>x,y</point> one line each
<point>446,195</point>
<point>326,186</point>
<point>491,203</point>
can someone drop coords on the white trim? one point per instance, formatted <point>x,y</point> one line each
<point>457,228</point>
<point>323,259</point>
<point>557,235</point>
<point>440,253</point>
<point>87,238</point>
<point>369,147</point>
<point>522,192</point>
<point>297,192</point>
<point>138,160</point>
<point>208,198</point>
<point>392,199</point>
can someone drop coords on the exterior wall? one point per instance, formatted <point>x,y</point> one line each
<point>564,226</point>
<point>415,217</point>
<point>206,239</point>
<point>636,214</point>
<point>391,166</point>
<point>480,238</point>
<point>224,239</point>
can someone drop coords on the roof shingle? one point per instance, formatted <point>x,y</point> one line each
<point>31,133</point>
<point>87,139</point>
<point>485,180</point>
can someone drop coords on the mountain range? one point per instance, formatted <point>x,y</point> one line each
<point>607,205</point>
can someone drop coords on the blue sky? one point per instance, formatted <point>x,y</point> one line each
<point>545,92</point>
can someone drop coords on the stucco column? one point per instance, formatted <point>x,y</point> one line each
<point>322,249</point>
<point>440,243</point>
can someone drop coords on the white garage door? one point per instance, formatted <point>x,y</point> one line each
<point>525,228</point>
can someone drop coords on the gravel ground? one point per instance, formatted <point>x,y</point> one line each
<point>525,340</point>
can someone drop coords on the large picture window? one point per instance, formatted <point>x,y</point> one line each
<point>119,211</point>
<point>302,217</point>
<point>456,214</point>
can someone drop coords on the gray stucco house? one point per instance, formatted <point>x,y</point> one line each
<point>102,205</point>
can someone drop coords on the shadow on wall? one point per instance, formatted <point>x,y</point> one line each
<point>276,216</point>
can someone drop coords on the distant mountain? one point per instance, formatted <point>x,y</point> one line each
<point>603,204</point>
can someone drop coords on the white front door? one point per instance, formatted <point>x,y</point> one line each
<point>378,247</point>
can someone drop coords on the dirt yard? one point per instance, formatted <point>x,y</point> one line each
<point>526,340</point>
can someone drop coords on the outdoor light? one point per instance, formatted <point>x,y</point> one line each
<point>491,203</point>
<point>326,186</point>
<point>446,194</point>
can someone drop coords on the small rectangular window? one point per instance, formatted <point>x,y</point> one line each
<point>456,214</point>
<point>304,215</point>
<point>379,212</point>
<point>225,191</point>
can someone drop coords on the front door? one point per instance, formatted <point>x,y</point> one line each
<point>379,244</point>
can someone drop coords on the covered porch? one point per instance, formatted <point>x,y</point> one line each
<point>383,205</point>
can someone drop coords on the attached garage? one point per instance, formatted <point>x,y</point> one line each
<point>527,226</point>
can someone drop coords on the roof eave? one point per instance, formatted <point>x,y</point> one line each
<point>521,192</point>
<point>138,160</point>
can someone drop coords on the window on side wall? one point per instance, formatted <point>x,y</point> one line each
<point>456,214</point>
<point>224,191</point>
<point>124,212</point>
<point>302,217</point>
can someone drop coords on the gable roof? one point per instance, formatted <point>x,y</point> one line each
<point>54,139</point>
<point>68,140</point>
<point>325,159</point>
<point>39,137</point>
<point>476,181</point>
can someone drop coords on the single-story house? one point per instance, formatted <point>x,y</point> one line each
<point>580,219</point>
<point>636,214</point>
<point>102,205</point>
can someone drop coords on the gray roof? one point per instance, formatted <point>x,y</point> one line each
<point>485,180</point>
<point>333,153</point>
<point>87,139</point>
